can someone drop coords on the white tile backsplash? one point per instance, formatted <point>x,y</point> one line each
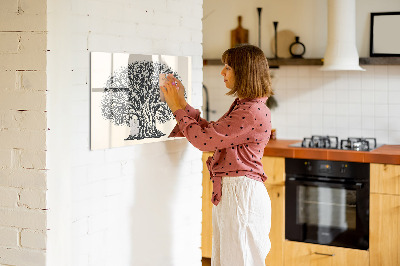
<point>342,103</point>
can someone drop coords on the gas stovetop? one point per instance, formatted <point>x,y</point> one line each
<point>332,142</point>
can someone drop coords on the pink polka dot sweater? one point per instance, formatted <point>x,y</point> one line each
<point>238,139</point>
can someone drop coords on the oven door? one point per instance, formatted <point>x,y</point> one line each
<point>327,213</point>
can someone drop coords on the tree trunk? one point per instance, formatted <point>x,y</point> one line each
<point>147,124</point>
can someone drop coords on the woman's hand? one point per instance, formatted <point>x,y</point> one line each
<point>173,93</point>
<point>181,91</point>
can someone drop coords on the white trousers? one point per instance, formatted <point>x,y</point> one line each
<point>241,223</point>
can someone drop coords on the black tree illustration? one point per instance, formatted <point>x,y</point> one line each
<point>133,93</point>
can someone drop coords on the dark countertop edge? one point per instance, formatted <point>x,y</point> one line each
<point>386,154</point>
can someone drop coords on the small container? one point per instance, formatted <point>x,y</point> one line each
<point>273,134</point>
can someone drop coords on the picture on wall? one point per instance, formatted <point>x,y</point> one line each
<point>127,105</point>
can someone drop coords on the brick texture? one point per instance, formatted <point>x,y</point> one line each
<point>23,125</point>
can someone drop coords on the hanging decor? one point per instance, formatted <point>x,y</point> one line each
<point>239,35</point>
<point>297,49</point>
<point>126,104</point>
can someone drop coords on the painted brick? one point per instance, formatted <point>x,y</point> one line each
<point>8,197</point>
<point>36,7</point>
<point>164,47</point>
<point>176,7</point>
<point>9,42</point>
<point>16,256</point>
<point>191,23</point>
<point>8,6</point>
<point>114,186</point>
<point>189,48</point>
<point>15,158</point>
<point>23,178</point>
<point>35,140</point>
<point>23,218</point>
<point>197,166</point>
<point>98,222</point>
<point>23,100</point>
<point>8,237</point>
<point>34,120</point>
<point>197,38</point>
<point>33,159</point>
<point>168,21</point>
<point>33,239</point>
<point>91,200</point>
<point>196,77</point>
<point>24,22</point>
<point>100,42</point>
<point>153,32</point>
<point>142,46</point>
<point>31,80</point>
<point>154,5</point>
<point>5,159</point>
<point>33,199</point>
<point>7,79</point>
<point>30,61</point>
<point>196,10</point>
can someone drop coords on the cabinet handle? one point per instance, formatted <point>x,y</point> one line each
<point>324,254</point>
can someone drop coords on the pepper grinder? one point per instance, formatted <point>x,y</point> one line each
<point>276,38</point>
<point>259,26</point>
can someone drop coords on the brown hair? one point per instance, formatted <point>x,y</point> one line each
<point>250,66</point>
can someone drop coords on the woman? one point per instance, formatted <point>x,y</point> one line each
<point>242,209</point>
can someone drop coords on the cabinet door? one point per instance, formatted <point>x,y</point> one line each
<point>274,168</point>
<point>384,230</point>
<point>277,233</point>
<point>385,178</point>
<point>304,254</point>
<point>206,232</point>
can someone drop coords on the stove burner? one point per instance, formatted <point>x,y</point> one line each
<point>358,144</point>
<point>328,142</point>
<point>332,142</point>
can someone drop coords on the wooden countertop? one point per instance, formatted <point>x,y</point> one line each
<point>389,154</point>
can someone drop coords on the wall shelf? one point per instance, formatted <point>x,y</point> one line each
<point>274,63</point>
<point>380,61</point>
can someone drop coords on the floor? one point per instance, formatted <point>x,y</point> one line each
<point>206,261</point>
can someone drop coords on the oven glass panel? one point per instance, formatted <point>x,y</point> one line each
<point>326,207</point>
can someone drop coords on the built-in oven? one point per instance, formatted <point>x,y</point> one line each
<point>327,202</point>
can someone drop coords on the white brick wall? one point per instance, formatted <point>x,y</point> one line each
<point>23,126</point>
<point>138,205</point>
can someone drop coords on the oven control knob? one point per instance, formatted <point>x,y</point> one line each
<point>308,166</point>
<point>343,168</point>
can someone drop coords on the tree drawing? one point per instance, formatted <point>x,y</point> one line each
<point>132,97</point>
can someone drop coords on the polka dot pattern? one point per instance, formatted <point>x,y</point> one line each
<point>238,139</point>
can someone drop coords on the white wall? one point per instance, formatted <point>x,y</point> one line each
<point>138,205</point>
<point>306,19</point>
<point>311,102</point>
<point>23,133</point>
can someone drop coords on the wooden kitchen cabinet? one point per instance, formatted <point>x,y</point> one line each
<point>274,168</point>
<point>305,254</point>
<point>206,225</point>
<point>277,233</point>
<point>385,178</point>
<point>384,236</point>
<point>385,215</point>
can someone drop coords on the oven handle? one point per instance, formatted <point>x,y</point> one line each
<point>357,185</point>
<point>324,254</point>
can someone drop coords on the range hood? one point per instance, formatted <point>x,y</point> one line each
<point>341,51</point>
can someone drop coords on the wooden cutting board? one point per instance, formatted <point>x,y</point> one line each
<point>239,35</point>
